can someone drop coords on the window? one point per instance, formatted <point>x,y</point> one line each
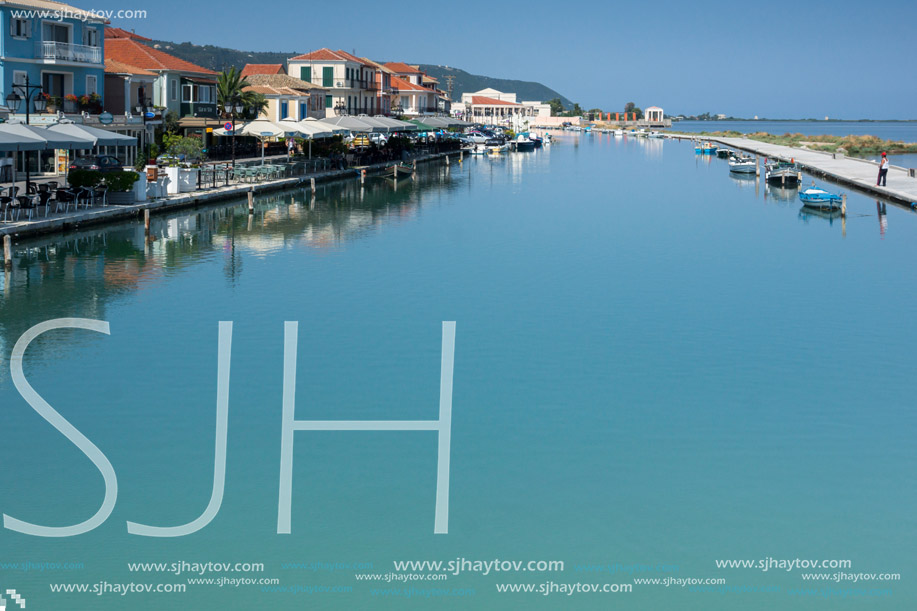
<point>284,109</point>
<point>90,37</point>
<point>303,110</point>
<point>205,94</point>
<point>19,77</point>
<point>328,76</point>
<point>92,84</point>
<point>174,90</point>
<point>327,101</point>
<point>55,32</point>
<point>186,93</point>
<point>20,28</point>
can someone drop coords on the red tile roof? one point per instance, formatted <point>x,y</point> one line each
<point>133,53</point>
<point>402,68</point>
<point>119,33</point>
<point>262,69</point>
<point>354,58</point>
<point>402,85</point>
<point>116,67</point>
<point>485,101</point>
<point>320,55</point>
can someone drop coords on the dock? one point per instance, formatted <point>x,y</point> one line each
<point>860,174</point>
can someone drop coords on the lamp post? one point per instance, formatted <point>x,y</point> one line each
<point>233,107</point>
<point>340,108</point>
<point>14,100</point>
<point>143,109</point>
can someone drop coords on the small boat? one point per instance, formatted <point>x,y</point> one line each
<point>524,143</point>
<point>655,134</point>
<point>403,169</point>
<point>709,148</point>
<point>782,172</point>
<point>820,199</point>
<point>743,165</point>
<point>619,133</point>
<point>723,153</point>
<point>538,141</point>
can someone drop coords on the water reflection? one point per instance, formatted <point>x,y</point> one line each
<point>81,273</point>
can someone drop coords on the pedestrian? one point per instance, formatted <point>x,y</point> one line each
<point>883,171</point>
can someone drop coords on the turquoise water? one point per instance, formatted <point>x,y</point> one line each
<point>657,366</point>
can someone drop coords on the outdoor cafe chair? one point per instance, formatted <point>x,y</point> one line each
<point>100,192</point>
<point>64,198</point>
<point>26,202</point>
<point>7,202</point>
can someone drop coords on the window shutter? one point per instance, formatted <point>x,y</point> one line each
<point>28,28</point>
<point>305,73</point>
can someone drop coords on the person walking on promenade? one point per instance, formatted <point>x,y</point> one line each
<point>883,171</point>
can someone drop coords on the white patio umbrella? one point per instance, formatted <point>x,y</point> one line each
<point>309,130</point>
<point>335,129</point>
<point>261,129</point>
<point>355,124</point>
<point>16,143</point>
<point>51,140</point>
<point>100,136</point>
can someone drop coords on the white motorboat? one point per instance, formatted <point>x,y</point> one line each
<point>743,165</point>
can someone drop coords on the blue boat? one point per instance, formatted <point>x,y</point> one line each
<point>820,199</point>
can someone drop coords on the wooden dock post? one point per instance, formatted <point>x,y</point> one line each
<point>312,184</point>
<point>7,252</point>
<point>844,205</point>
<point>251,200</point>
<point>757,165</point>
<point>396,173</point>
<point>415,165</point>
<point>146,221</point>
<point>447,158</point>
<point>461,156</point>
<point>362,176</point>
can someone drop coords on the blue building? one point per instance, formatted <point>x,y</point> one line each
<point>55,46</point>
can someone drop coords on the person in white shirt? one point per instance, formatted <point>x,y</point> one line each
<point>883,171</point>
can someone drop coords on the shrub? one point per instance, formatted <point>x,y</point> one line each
<point>121,181</point>
<point>84,178</point>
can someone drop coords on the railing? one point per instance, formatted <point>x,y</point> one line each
<point>68,52</point>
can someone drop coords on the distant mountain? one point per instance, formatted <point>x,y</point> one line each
<point>219,58</point>
<point>467,83</point>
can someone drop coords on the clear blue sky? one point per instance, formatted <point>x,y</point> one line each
<point>839,58</point>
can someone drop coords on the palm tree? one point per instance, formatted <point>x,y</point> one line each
<point>254,103</point>
<point>230,84</point>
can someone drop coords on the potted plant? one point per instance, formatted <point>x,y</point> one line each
<point>52,103</point>
<point>71,103</point>
<point>181,150</point>
<point>121,186</point>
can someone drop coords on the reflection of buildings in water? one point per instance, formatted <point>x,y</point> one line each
<point>79,275</point>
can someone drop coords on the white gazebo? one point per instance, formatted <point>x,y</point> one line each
<point>653,114</point>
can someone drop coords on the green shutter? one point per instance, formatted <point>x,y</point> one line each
<point>327,101</point>
<point>305,73</point>
<point>328,76</point>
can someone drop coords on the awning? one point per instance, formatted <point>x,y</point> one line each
<point>100,136</point>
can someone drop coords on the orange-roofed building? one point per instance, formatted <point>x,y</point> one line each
<point>250,69</point>
<point>350,81</point>
<point>178,85</point>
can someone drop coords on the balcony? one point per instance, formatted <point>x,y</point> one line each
<point>64,51</point>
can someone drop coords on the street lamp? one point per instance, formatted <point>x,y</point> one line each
<point>143,109</point>
<point>340,108</point>
<point>233,107</point>
<point>14,100</point>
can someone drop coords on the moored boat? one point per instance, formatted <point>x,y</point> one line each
<point>743,165</point>
<point>782,172</point>
<point>524,143</point>
<point>399,169</point>
<point>820,199</point>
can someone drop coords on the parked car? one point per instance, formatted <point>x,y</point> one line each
<point>102,163</point>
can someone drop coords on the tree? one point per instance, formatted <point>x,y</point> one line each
<point>230,84</point>
<point>629,107</point>
<point>557,107</point>
<point>254,103</point>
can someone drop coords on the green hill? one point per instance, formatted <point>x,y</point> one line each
<point>467,83</point>
<point>218,58</point>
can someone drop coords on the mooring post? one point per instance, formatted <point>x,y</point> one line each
<point>844,205</point>
<point>146,221</point>
<point>312,184</point>
<point>461,156</point>
<point>251,200</point>
<point>415,165</point>
<point>447,158</point>
<point>7,251</point>
<point>362,176</point>
<point>757,165</point>
<point>396,173</point>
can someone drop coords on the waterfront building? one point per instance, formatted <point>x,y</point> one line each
<point>65,57</point>
<point>178,85</point>
<point>384,90</point>
<point>412,95</point>
<point>493,106</point>
<point>288,97</point>
<point>653,114</point>
<point>350,81</point>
